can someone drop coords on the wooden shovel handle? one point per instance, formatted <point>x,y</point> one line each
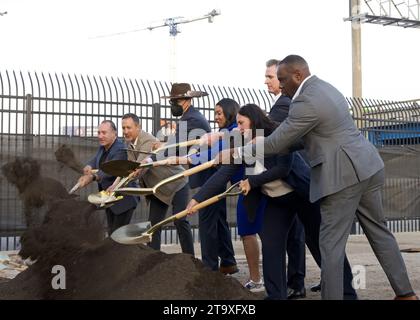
<point>198,168</point>
<point>160,163</point>
<point>198,206</point>
<point>180,144</point>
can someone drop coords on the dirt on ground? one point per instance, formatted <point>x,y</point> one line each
<point>72,236</point>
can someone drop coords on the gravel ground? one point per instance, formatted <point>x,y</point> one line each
<point>361,257</point>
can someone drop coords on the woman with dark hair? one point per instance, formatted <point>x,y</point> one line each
<point>225,113</point>
<point>283,183</point>
<point>215,237</point>
<point>287,196</point>
<point>247,228</point>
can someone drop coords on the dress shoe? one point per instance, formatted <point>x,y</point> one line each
<point>412,297</point>
<point>316,287</point>
<point>295,294</point>
<point>229,269</point>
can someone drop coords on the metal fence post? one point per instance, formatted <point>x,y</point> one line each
<point>156,117</point>
<point>28,126</point>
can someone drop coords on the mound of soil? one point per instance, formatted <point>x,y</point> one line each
<point>72,236</point>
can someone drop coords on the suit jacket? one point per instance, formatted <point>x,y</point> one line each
<point>152,176</point>
<point>116,152</point>
<point>192,119</point>
<point>339,155</point>
<point>291,168</point>
<point>278,113</point>
<point>280,110</point>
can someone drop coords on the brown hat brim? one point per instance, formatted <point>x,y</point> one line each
<point>189,94</point>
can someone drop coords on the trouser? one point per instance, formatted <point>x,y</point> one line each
<point>274,237</point>
<point>215,237</point>
<point>157,213</point>
<point>296,262</point>
<point>116,221</point>
<point>338,211</point>
<point>183,227</point>
<point>278,218</point>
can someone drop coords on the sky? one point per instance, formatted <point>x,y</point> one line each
<point>56,36</point>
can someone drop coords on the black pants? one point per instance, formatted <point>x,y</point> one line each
<point>296,263</point>
<point>116,221</point>
<point>157,213</point>
<point>278,218</point>
<point>215,238</point>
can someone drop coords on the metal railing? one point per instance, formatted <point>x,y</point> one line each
<point>41,111</point>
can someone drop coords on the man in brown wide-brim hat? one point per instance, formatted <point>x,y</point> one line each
<point>180,98</point>
<point>215,240</point>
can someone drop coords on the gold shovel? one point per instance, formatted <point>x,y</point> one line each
<point>168,146</point>
<point>176,145</point>
<point>104,199</point>
<point>138,233</point>
<point>121,168</point>
<point>147,191</point>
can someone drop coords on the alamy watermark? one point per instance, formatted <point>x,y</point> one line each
<point>58,282</point>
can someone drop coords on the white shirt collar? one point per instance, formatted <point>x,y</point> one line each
<point>275,99</point>
<point>300,87</point>
<point>133,145</point>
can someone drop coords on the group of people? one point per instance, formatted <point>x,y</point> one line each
<point>316,174</point>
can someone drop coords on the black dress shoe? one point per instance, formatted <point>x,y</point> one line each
<point>295,294</point>
<point>316,287</point>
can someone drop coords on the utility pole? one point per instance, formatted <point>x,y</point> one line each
<point>356,40</point>
<point>404,14</point>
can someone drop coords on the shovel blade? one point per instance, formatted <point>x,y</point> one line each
<point>103,198</point>
<point>132,233</point>
<point>119,168</point>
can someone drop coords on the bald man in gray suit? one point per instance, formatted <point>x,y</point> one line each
<point>347,174</point>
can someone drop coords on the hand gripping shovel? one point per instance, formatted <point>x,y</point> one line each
<point>147,191</point>
<point>77,185</point>
<point>138,233</point>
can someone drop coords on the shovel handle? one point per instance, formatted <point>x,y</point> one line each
<point>198,206</point>
<point>198,168</point>
<point>180,144</point>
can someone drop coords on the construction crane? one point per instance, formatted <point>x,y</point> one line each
<point>173,24</point>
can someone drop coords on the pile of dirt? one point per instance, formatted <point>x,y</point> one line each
<point>72,236</point>
<point>36,191</point>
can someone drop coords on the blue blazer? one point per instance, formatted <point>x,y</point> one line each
<point>278,113</point>
<point>116,152</point>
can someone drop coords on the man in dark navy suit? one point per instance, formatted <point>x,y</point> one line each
<point>192,125</point>
<point>296,267</point>
<point>119,214</point>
